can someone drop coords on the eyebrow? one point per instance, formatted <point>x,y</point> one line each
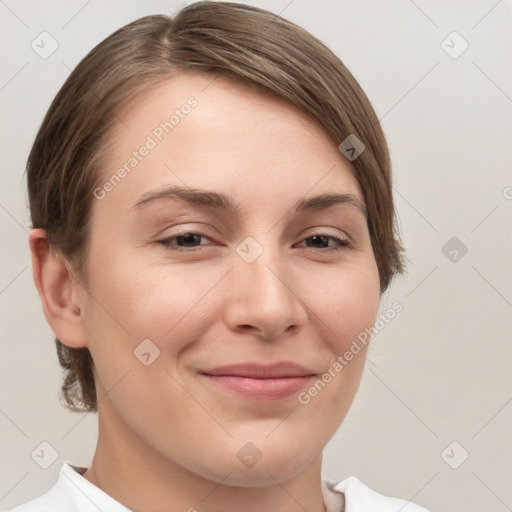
<point>225,204</point>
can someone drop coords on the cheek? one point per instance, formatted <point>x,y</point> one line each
<point>346,310</point>
<point>134,300</point>
<point>145,298</point>
<point>347,304</point>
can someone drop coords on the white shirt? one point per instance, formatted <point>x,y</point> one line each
<point>73,493</point>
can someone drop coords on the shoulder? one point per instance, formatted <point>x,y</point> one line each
<point>361,498</point>
<point>55,499</point>
<point>71,493</point>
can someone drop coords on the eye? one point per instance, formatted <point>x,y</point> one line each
<point>189,239</point>
<point>323,240</point>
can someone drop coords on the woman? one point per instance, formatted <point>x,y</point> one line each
<point>212,230</point>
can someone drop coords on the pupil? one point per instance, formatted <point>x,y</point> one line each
<point>188,238</point>
<point>319,237</point>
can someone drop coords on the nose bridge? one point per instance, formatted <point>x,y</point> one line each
<point>262,294</point>
<point>260,265</point>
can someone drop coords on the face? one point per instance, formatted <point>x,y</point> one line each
<point>221,298</point>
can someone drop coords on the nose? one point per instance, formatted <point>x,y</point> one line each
<point>262,297</point>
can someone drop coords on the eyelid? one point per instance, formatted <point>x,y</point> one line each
<point>325,231</point>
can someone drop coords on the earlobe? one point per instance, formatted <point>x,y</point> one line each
<point>55,286</point>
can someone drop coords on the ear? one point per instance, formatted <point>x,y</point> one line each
<point>59,293</point>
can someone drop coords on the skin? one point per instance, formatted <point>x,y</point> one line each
<point>166,435</point>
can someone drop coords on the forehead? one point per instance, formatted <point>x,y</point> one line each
<point>198,131</point>
<point>215,100</point>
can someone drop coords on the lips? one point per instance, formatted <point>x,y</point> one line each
<point>260,381</point>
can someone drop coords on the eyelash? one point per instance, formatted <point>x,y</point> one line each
<point>342,243</point>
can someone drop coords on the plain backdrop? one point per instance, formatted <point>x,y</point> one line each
<point>432,420</point>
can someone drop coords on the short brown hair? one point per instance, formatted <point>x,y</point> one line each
<point>237,41</point>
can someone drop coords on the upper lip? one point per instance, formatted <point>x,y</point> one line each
<point>279,370</point>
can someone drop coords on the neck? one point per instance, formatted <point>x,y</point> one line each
<point>129,470</point>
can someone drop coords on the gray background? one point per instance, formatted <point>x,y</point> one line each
<point>439,372</point>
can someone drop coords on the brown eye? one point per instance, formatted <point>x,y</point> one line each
<point>183,241</point>
<point>321,241</point>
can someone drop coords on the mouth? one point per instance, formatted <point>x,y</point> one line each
<point>260,381</point>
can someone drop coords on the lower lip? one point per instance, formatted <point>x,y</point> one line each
<point>261,389</point>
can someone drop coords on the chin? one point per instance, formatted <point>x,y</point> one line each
<point>260,475</point>
<point>261,465</point>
